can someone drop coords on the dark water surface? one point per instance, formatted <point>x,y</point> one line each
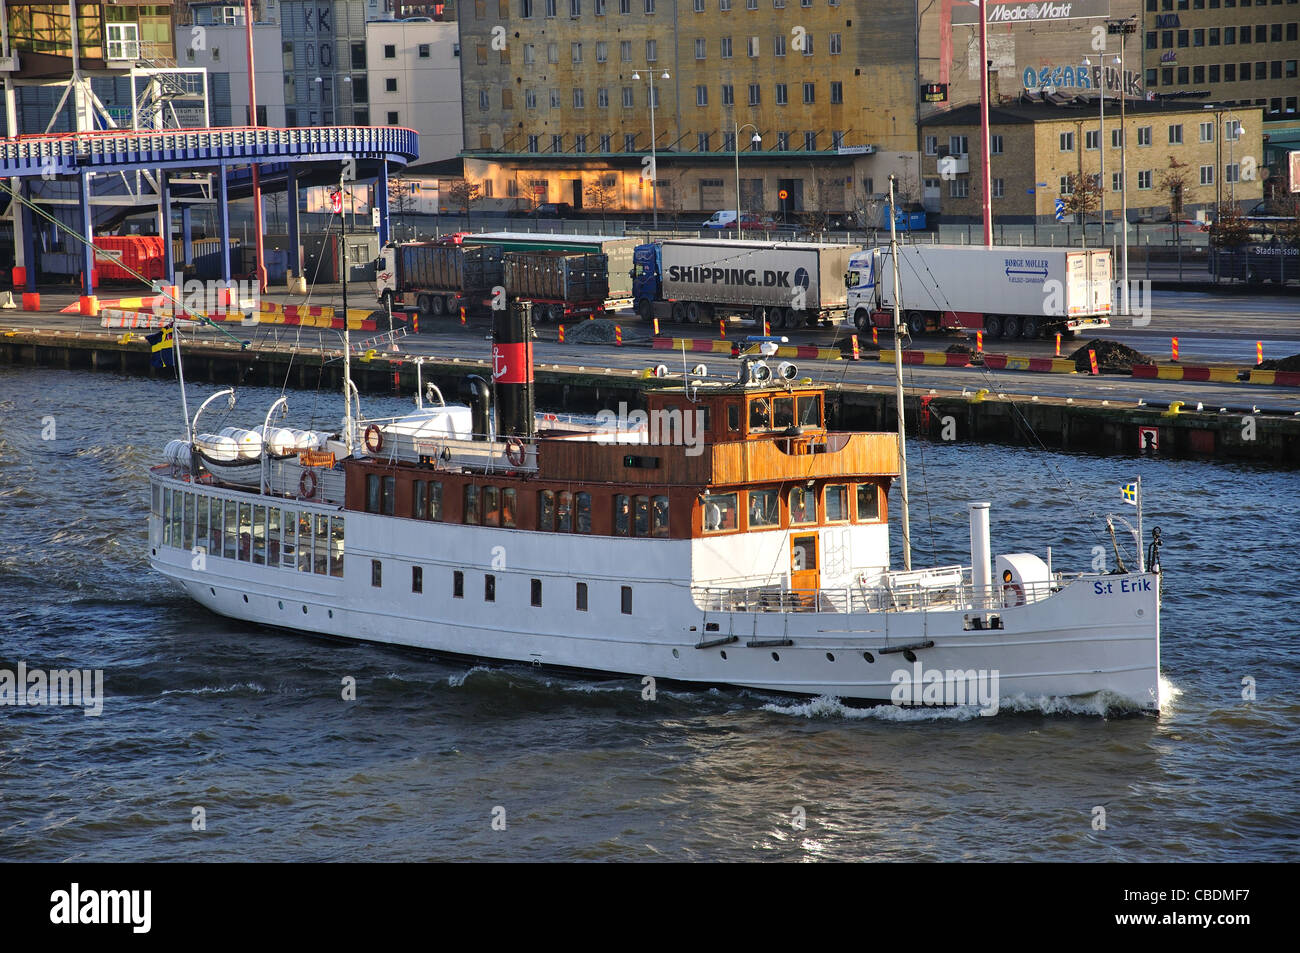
<point>249,724</point>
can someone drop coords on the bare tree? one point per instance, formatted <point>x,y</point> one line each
<point>602,194</point>
<point>464,194</point>
<point>401,201</point>
<point>1083,197</point>
<point>1174,181</point>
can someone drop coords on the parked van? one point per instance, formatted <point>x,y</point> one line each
<point>720,220</point>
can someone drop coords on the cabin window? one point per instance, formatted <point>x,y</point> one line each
<point>245,532</point>
<point>201,524</point>
<point>546,510</point>
<point>622,515</point>
<point>537,592</point>
<point>336,547</point>
<point>627,599</point>
<point>156,508</point>
<point>471,504</point>
<point>273,536</point>
<point>376,573</point>
<point>581,597</point>
<point>564,512</point>
<point>304,542</point>
<point>259,535</point>
<point>641,515</point>
<point>372,492</point>
<point>810,412</point>
<point>760,414</point>
<point>189,520</point>
<point>390,495</point>
<point>508,507</point>
<point>582,512</point>
<point>733,417</point>
<point>230,534</point>
<point>489,588</point>
<point>659,517</point>
<point>491,506</point>
<point>417,579</point>
<point>435,500</point>
<point>837,503</point>
<point>458,584</point>
<point>783,413</point>
<point>720,512</point>
<point>764,509</point>
<point>289,548</point>
<point>868,502</point>
<point>426,500</point>
<point>803,505</point>
<point>321,554</point>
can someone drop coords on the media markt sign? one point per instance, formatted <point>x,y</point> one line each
<point>1011,11</point>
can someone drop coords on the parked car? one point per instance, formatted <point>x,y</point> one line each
<point>553,210</point>
<point>453,238</point>
<point>727,219</point>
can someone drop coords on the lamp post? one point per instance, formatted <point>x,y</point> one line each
<point>1101,144</point>
<point>1123,28</point>
<point>735,141</point>
<point>654,162</point>
<point>1237,130</point>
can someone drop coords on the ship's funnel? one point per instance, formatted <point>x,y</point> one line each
<point>512,369</point>
<point>980,555</point>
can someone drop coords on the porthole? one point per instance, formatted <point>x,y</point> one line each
<point>211,590</point>
<point>776,657</point>
<point>909,655</point>
<point>830,657</point>
<point>868,656</point>
<point>331,612</point>
<point>724,656</point>
<point>245,598</point>
<point>281,605</point>
<point>304,610</point>
<point>676,654</point>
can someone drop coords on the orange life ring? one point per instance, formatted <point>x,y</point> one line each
<point>374,438</point>
<point>515,451</point>
<point>307,483</point>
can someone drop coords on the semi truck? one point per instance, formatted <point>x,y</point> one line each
<point>617,250</point>
<point>788,284</point>
<point>558,283</point>
<point>1001,291</point>
<point>436,279</point>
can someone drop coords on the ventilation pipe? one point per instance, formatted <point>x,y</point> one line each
<point>474,391</point>
<point>981,573</point>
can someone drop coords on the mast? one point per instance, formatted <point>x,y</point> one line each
<point>1142,562</point>
<point>347,339</point>
<point>180,375</point>
<point>898,377</point>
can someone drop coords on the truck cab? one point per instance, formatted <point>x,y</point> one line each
<point>646,284</point>
<point>860,280</point>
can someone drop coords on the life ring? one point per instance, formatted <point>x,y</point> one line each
<point>374,438</point>
<point>307,483</point>
<point>1016,592</point>
<point>515,451</point>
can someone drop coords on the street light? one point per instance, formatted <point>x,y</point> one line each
<point>1123,28</point>
<point>735,141</point>
<point>1101,138</point>
<point>654,163</point>
<point>1237,130</point>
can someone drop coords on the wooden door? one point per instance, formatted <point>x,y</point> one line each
<point>804,573</point>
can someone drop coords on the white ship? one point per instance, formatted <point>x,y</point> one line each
<point>753,553</point>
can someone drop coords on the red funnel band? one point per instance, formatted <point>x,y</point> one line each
<point>512,363</point>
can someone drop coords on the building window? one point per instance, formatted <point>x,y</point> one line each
<point>754,94</point>
<point>728,94</point>
<point>810,142</point>
<point>1198,38</point>
<point>837,141</point>
<point>390,84</point>
<point>555,99</point>
<point>626,599</point>
<point>931,145</point>
<point>1114,182</point>
<point>550,8</point>
<point>649,6</point>
<point>625,51</point>
<point>1092,139</point>
<point>701,48</point>
<point>629,142</point>
<point>580,597</point>
<point>579,99</point>
<point>1067,187</point>
<point>457,584</point>
<point>602,52</point>
<point>778,44</point>
<point>809,93</point>
<point>579,144</point>
<point>535,596</point>
<point>390,51</point>
<point>602,102</point>
<point>530,100</point>
<point>835,44</point>
<point>1207,175</point>
<point>422,51</point>
<point>1144,136</point>
<point>783,142</point>
<point>808,45</point>
<point>702,142</point>
<point>575,51</point>
<point>483,100</point>
<point>958,145</point>
<point>1117,138</point>
<point>628,98</point>
<point>489,588</point>
<point>837,93</point>
<point>605,140</point>
<point>701,95</point>
<point>997,188</point>
<point>995,145</point>
<point>1176,135</point>
<point>552,52</point>
<point>1067,142</point>
<point>959,188</point>
<point>1144,179</point>
<point>417,579</point>
<point>1232,173</point>
<point>1207,132</point>
<point>532,144</point>
<point>724,46</point>
<point>651,49</point>
<point>376,573</point>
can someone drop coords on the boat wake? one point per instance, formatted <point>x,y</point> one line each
<point>1099,705</point>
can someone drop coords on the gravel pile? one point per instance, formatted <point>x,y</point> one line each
<point>1112,357</point>
<point>1291,363</point>
<point>602,331</point>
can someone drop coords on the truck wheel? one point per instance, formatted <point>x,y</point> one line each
<point>694,312</point>
<point>1031,329</point>
<point>555,314</point>
<point>437,306</point>
<point>993,326</point>
<point>915,323</point>
<point>862,320</point>
<point>679,312</point>
<point>645,310</point>
<point>1011,326</point>
<point>422,306</point>
<point>759,314</point>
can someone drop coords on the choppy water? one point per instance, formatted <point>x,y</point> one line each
<point>249,724</point>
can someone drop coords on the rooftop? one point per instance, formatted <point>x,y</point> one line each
<point>1022,112</point>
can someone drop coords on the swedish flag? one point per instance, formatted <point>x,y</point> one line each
<point>160,345</point>
<point>1130,491</point>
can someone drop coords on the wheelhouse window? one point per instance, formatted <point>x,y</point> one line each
<point>720,512</point>
<point>536,592</point>
<point>471,504</point>
<point>417,579</point>
<point>304,541</point>
<point>380,493</point>
<point>783,413</point>
<point>760,414</point>
<point>764,509</point>
<point>868,503</point>
<point>803,505</point>
<point>733,417</point>
<point>336,546</point>
<point>508,502</point>
<point>810,410</point>
<point>426,500</point>
<point>564,512</point>
<point>659,517</point>
<point>837,503</point>
<point>622,515</point>
<point>641,515</point>
<point>582,512</point>
<point>546,510</point>
<point>491,500</point>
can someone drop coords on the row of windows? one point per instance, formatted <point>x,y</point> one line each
<point>727,91</point>
<point>722,510</point>
<point>1211,36</point>
<point>1224,72</point>
<point>1213,4</point>
<point>960,145</point>
<point>250,532</point>
<point>549,9</point>
<point>1205,133</point>
<point>580,595</point>
<point>704,142</point>
<point>803,43</point>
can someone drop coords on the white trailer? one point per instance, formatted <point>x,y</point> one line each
<point>1002,291</point>
<point>789,284</point>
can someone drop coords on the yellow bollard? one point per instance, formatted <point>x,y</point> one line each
<point>979,342</point>
<point>1174,407</point>
<point>618,336</point>
<point>722,327</point>
<point>1259,352</point>
<point>462,315</point>
<point>1173,349</point>
<point>656,327</point>
<point>561,334</point>
<point>856,353</point>
<point>875,337</point>
<point>1058,343</point>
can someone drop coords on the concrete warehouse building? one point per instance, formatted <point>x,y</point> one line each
<point>1035,146</point>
